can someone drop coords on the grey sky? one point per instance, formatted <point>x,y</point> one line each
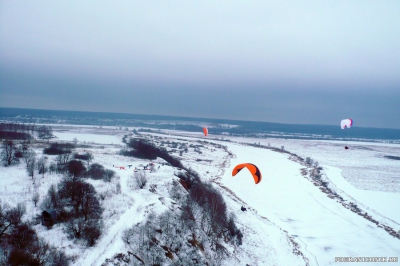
<point>308,62</point>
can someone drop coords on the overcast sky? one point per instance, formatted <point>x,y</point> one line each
<point>303,62</point>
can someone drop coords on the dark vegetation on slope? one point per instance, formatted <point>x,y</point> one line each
<point>140,148</point>
<point>195,235</point>
<point>211,200</point>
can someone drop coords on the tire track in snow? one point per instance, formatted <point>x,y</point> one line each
<point>97,254</point>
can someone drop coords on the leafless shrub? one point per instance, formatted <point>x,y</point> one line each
<point>108,175</point>
<point>105,194</point>
<point>176,191</point>
<point>128,235</point>
<point>74,228</point>
<point>35,198</point>
<point>92,231</point>
<point>118,188</point>
<point>53,168</point>
<point>57,258</point>
<point>42,165</point>
<point>140,179</point>
<point>28,154</point>
<point>153,188</point>
<point>31,167</point>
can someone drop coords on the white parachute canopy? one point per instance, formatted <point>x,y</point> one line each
<point>346,123</point>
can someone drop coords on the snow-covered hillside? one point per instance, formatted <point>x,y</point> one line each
<point>289,220</point>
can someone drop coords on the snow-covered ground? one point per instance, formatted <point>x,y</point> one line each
<point>289,220</point>
<point>323,227</point>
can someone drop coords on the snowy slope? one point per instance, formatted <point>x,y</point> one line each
<point>323,226</point>
<point>289,220</point>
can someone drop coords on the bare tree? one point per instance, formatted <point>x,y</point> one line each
<point>118,188</point>
<point>88,157</point>
<point>52,194</point>
<point>35,198</point>
<point>31,167</point>
<point>52,168</point>
<point>81,196</point>
<point>45,132</point>
<point>42,165</point>
<point>108,175</point>
<point>63,159</point>
<point>10,217</point>
<point>28,154</point>
<point>89,230</point>
<point>57,257</point>
<point>90,205</point>
<point>92,231</point>
<point>74,228</point>
<point>23,236</point>
<point>7,153</point>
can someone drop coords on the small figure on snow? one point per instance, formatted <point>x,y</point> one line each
<point>243,209</point>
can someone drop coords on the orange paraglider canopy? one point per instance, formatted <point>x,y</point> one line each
<point>205,130</point>
<point>252,168</point>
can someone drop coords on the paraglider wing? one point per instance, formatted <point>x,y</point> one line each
<point>346,123</point>
<point>252,168</point>
<point>205,130</point>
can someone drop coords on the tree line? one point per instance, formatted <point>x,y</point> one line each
<point>27,132</point>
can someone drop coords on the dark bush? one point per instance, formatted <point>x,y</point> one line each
<point>146,150</point>
<point>59,148</point>
<point>19,257</point>
<point>108,175</point>
<point>76,168</point>
<point>38,253</point>
<point>57,257</point>
<point>89,230</point>
<point>95,171</point>
<point>212,202</point>
<point>81,197</point>
<point>87,157</point>
<point>74,228</point>
<point>92,231</point>
<point>82,157</point>
<point>22,236</point>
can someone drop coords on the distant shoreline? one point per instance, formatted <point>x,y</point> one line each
<point>224,127</point>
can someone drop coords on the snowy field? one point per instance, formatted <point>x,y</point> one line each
<point>289,220</point>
